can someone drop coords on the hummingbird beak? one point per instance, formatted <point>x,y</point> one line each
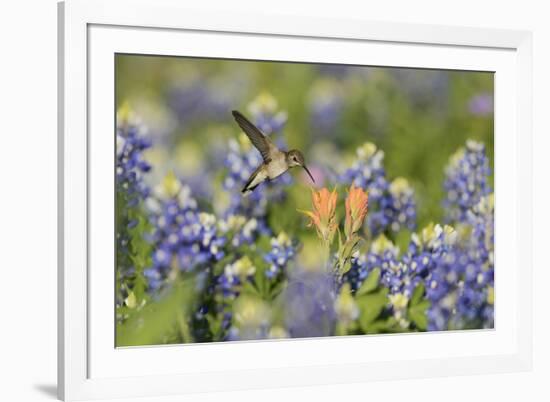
<point>308,172</point>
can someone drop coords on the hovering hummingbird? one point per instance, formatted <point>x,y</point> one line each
<point>276,162</point>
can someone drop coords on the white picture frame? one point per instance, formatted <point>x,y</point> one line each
<point>90,32</point>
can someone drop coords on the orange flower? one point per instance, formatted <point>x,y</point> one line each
<point>356,210</point>
<point>323,215</point>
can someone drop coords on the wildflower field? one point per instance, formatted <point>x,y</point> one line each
<point>395,235</point>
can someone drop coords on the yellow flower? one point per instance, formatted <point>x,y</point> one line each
<point>323,214</point>
<point>356,210</point>
<point>170,186</point>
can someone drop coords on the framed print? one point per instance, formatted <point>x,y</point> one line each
<point>247,202</point>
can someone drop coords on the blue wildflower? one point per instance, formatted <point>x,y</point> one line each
<point>183,237</point>
<point>466,180</point>
<point>399,275</point>
<point>431,255</point>
<point>282,251</point>
<point>241,230</point>
<point>460,276</point>
<point>229,285</point>
<point>234,275</point>
<point>196,100</point>
<point>391,206</point>
<point>400,206</point>
<point>326,104</point>
<point>481,104</point>
<point>309,301</point>
<point>130,163</point>
<point>462,283</point>
<point>131,189</point>
<point>265,114</point>
<point>423,87</point>
<point>475,301</point>
<point>358,271</point>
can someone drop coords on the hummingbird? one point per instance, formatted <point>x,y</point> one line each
<point>276,161</point>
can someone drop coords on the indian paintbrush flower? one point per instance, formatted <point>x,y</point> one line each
<point>356,210</point>
<point>323,216</point>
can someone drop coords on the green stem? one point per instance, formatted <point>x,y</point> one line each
<point>325,245</point>
<point>184,328</point>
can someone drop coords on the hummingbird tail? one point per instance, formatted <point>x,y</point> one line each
<point>247,190</point>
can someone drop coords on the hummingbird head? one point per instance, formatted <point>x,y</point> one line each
<point>296,158</point>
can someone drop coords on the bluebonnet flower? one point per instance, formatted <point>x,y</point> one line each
<point>423,87</point>
<point>460,275</point>
<point>398,275</point>
<point>326,104</point>
<point>475,301</point>
<point>368,173</point>
<point>396,209</point>
<point>358,271</point>
<point>131,141</point>
<point>431,255</point>
<point>241,230</point>
<point>282,251</point>
<point>400,206</point>
<point>265,114</point>
<point>131,189</point>
<point>481,104</point>
<point>196,100</point>
<point>234,275</point>
<point>391,205</point>
<point>309,304</point>
<point>230,285</point>
<point>460,278</point>
<point>466,180</point>
<point>183,237</point>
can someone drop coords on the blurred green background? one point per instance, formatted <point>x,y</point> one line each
<point>417,117</point>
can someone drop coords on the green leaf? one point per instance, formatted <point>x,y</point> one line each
<point>417,295</point>
<point>402,239</point>
<point>248,287</point>
<point>371,283</point>
<point>346,266</point>
<point>276,289</point>
<point>371,305</point>
<point>383,325</point>
<point>418,314</point>
<point>149,325</point>
<point>263,243</point>
<point>259,277</point>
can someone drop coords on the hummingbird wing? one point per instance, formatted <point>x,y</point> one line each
<point>258,139</point>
